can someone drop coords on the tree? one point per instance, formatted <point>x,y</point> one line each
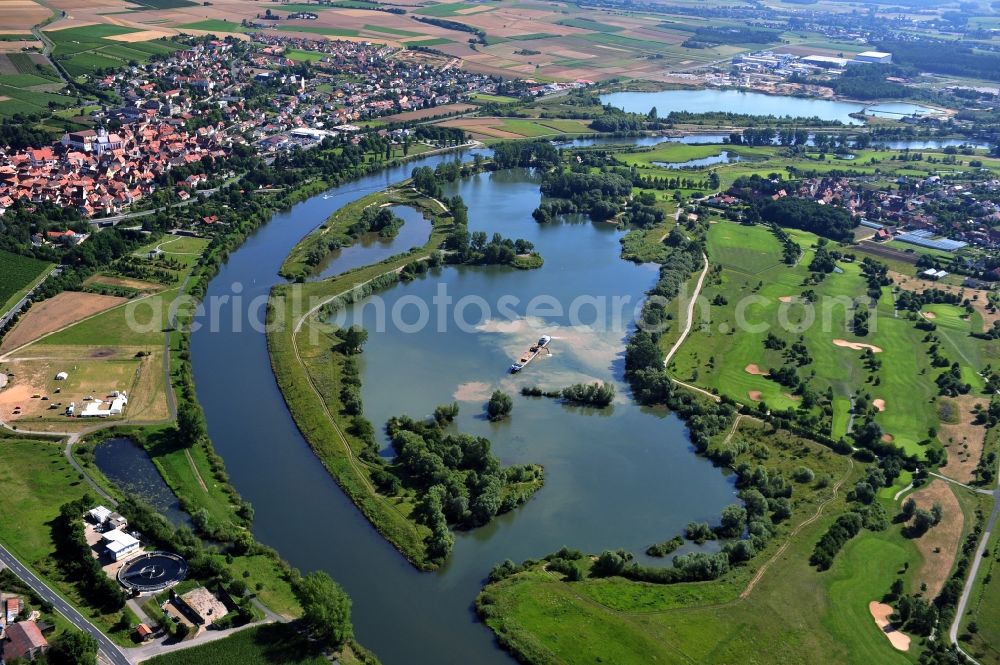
<point>499,406</point>
<point>734,520</point>
<point>190,424</point>
<point>326,608</point>
<point>354,338</point>
<point>73,648</point>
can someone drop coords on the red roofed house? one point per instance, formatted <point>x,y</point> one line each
<point>67,237</point>
<point>24,640</point>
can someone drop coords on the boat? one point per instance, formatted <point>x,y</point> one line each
<point>529,355</point>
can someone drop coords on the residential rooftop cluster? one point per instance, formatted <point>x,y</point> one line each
<point>193,105</point>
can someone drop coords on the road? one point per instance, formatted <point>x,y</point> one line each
<point>13,311</point>
<point>970,581</point>
<point>109,650</point>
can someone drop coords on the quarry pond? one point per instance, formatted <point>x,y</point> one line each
<point>623,476</point>
<point>755,103</point>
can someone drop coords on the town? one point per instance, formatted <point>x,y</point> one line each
<point>186,111</point>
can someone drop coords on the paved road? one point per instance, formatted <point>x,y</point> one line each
<point>970,581</point>
<point>109,649</point>
<point>24,301</point>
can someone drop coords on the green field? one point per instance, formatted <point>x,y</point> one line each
<point>795,614</point>
<point>267,644</point>
<point>391,31</point>
<point>86,50</point>
<point>437,41</point>
<point>37,481</point>
<point>752,264</point>
<point>112,326</point>
<point>164,4</point>
<point>17,275</point>
<point>444,9</point>
<point>589,24</point>
<point>329,32</point>
<point>496,99</point>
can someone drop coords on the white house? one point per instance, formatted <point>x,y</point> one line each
<point>119,544</point>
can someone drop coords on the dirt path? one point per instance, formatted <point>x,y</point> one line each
<point>194,470</point>
<point>784,546</point>
<point>711,396</point>
<point>690,313</point>
<point>351,457</point>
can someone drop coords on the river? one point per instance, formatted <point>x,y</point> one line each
<point>755,103</point>
<point>624,477</point>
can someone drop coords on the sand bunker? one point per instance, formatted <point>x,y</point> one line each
<point>754,395</point>
<point>857,346</point>
<point>880,612</point>
<point>888,438</point>
<point>755,370</point>
<point>879,404</point>
<point>928,315</point>
<point>473,391</point>
<point>787,298</point>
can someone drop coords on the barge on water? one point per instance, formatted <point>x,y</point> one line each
<point>529,355</point>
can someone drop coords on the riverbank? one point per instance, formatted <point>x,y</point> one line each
<point>297,342</point>
<point>336,231</point>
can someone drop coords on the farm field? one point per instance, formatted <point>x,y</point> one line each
<point>20,274</point>
<point>428,113</point>
<point>83,51</point>
<point>552,41</point>
<point>28,84</point>
<point>54,313</point>
<point>103,342</point>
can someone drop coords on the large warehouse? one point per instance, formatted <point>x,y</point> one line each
<point>877,57</point>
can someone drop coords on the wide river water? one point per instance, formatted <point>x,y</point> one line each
<point>622,477</point>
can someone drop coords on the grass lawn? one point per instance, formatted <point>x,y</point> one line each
<point>276,643</point>
<point>794,614</point>
<point>304,56</point>
<point>717,358</point>
<point>497,99</point>
<point>136,323</point>
<point>37,481</point>
<point>18,274</point>
<point>278,596</point>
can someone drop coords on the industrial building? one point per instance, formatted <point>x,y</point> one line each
<point>119,545</point>
<point>876,57</point>
<point>825,61</point>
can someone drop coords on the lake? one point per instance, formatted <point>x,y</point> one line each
<point>127,465</point>
<point>753,103</point>
<point>626,476</point>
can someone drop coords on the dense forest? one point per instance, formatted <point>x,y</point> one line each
<point>945,57</point>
